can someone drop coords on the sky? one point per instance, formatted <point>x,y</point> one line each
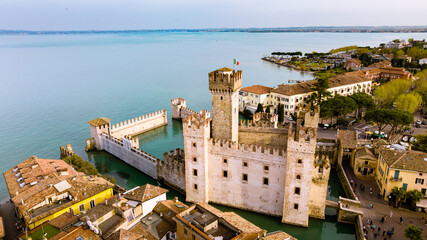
<point>193,14</point>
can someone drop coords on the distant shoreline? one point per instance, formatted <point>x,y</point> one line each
<point>355,29</point>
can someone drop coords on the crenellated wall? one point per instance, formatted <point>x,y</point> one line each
<point>140,124</point>
<point>262,133</point>
<point>172,169</point>
<point>133,156</point>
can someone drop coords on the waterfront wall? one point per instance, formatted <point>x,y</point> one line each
<point>133,156</point>
<point>172,169</point>
<point>140,124</point>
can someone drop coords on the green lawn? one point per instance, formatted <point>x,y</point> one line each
<point>51,231</point>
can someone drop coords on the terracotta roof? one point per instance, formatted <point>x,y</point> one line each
<point>307,87</point>
<point>257,89</point>
<point>63,220</point>
<point>141,230</point>
<point>225,69</point>
<point>385,63</point>
<point>279,235</point>
<point>365,153</point>
<point>355,61</point>
<point>123,234</point>
<point>348,138</point>
<point>99,121</point>
<point>85,234</point>
<point>169,208</point>
<point>405,160</point>
<point>98,211</point>
<point>242,224</point>
<point>144,193</point>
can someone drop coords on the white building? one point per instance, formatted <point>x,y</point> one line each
<point>423,61</point>
<point>250,97</point>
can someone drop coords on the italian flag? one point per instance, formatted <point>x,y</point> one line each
<point>236,62</point>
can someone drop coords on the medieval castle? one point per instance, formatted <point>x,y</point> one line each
<point>259,166</point>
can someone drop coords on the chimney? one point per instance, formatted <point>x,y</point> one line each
<point>175,199</point>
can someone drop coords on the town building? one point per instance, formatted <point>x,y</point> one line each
<point>405,169</point>
<point>244,165</point>
<point>353,64</point>
<point>389,73</point>
<point>42,189</point>
<point>364,163</point>
<point>405,57</point>
<point>423,61</point>
<point>381,64</point>
<point>395,45</point>
<point>204,222</point>
<point>250,97</point>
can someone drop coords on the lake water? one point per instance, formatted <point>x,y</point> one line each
<point>51,85</point>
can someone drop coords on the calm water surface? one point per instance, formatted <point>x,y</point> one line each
<point>51,85</point>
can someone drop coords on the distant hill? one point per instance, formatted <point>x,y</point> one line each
<point>367,29</point>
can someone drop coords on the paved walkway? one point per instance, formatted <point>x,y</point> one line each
<point>7,211</point>
<point>381,209</point>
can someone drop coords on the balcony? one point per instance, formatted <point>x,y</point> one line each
<point>395,179</point>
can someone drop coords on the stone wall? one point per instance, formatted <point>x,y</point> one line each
<point>319,185</point>
<point>140,124</point>
<point>172,169</point>
<point>266,136</point>
<point>135,157</point>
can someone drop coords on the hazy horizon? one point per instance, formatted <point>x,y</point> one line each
<point>100,15</point>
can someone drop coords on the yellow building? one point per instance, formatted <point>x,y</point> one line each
<point>43,189</point>
<point>364,163</point>
<point>406,169</point>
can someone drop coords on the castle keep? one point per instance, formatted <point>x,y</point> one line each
<point>259,166</point>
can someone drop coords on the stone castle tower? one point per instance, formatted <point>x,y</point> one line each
<point>224,85</point>
<point>267,168</point>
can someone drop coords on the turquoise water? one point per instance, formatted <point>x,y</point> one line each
<point>51,85</point>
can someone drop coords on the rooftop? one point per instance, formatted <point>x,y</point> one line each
<point>99,210</point>
<point>123,234</point>
<point>365,153</point>
<point>348,138</point>
<point>405,160</point>
<point>144,193</point>
<point>99,121</point>
<point>257,89</point>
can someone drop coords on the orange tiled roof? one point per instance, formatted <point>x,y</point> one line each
<point>257,89</point>
<point>144,193</point>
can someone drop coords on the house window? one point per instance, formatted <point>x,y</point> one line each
<point>82,208</point>
<point>194,144</point>
<point>195,186</point>
<point>72,211</point>
<point>225,160</point>
<point>92,203</point>
<point>300,161</point>
<point>295,205</point>
<point>245,177</point>
<point>265,168</point>
<point>297,190</point>
<point>366,163</point>
<point>245,164</point>
<point>419,180</point>
<point>225,173</point>
<point>298,176</point>
<point>185,232</point>
<point>195,172</point>
<point>221,97</point>
<point>420,174</point>
<point>265,181</point>
<point>320,169</point>
<point>194,237</point>
<point>194,159</point>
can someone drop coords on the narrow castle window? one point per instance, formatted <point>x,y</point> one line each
<point>221,97</point>
<point>195,172</point>
<point>265,182</point>
<point>245,164</point>
<point>225,160</point>
<point>195,186</point>
<point>300,161</point>
<point>298,176</point>
<point>266,168</point>
<point>194,144</point>
<point>295,205</point>
<point>194,159</point>
<point>245,177</point>
<point>297,190</point>
<point>225,174</point>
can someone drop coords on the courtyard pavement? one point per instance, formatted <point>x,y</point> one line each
<point>382,209</point>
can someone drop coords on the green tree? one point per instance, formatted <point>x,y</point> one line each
<point>247,113</point>
<point>397,119</point>
<point>414,196</point>
<point>409,102</point>
<point>398,194</point>
<point>326,109</point>
<point>81,165</point>
<point>413,232</point>
<point>387,93</point>
<point>421,143</point>
<point>259,108</point>
<point>267,110</point>
<point>281,113</point>
<point>364,101</point>
<point>342,105</point>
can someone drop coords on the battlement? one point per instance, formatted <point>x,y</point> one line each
<point>137,120</point>
<point>172,154</point>
<point>262,116</point>
<point>66,152</point>
<point>197,120</point>
<point>246,124</point>
<point>225,80</point>
<point>252,148</point>
<point>178,101</point>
